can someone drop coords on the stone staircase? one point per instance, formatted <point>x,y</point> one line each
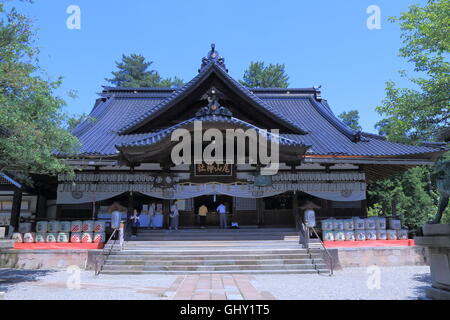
<point>208,253</point>
<point>209,234</point>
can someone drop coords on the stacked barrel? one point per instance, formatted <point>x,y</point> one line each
<point>78,231</point>
<point>361,229</point>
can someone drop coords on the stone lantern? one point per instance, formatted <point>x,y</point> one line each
<point>309,218</point>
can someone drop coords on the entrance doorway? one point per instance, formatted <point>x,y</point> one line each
<point>212,202</point>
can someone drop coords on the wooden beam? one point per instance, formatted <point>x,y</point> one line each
<point>378,161</point>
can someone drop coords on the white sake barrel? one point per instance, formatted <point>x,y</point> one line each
<point>339,236</point>
<point>29,237</point>
<point>327,225</point>
<point>371,235</point>
<point>349,225</point>
<point>99,226</point>
<point>41,237</point>
<point>338,225</point>
<point>51,237</point>
<point>328,235</point>
<point>41,226</point>
<point>53,227</point>
<point>359,223</point>
<point>360,235</point>
<point>75,226</point>
<point>99,237</point>
<point>402,234</point>
<point>349,235</point>
<point>87,237</point>
<point>381,235</point>
<point>380,223</point>
<point>63,237</point>
<point>17,237</point>
<point>75,237</point>
<point>64,226</point>
<point>369,223</point>
<point>25,227</point>
<point>88,226</point>
<point>391,234</point>
<point>395,224</point>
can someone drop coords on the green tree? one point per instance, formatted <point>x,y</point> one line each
<point>74,120</point>
<point>260,76</point>
<point>419,113</point>
<point>410,196</point>
<point>133,72</point>
<point>351,118</point>
<point>33,124</point>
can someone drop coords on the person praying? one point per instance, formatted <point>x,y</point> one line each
<point>222,211</point>
<point>202,212</point>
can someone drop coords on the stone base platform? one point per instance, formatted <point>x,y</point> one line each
<point>378,256</point>
<point>48,259</point>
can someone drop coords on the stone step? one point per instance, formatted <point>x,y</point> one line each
<point>211,245</point>
<point>217,230</point>
<point>212,257</point>
<point>202,238</point>
<point>213,267</point>
<point>274,271</point>
<point>214,262</point>
<point>213,234</point>
<point>197,256</point>
<point>214,252</point>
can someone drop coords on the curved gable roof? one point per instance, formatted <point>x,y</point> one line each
<point>211,68</point>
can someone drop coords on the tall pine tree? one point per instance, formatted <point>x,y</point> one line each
<point>260,76</point>
<point>133,72</point>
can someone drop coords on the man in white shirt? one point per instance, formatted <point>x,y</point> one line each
<point>222,211</point>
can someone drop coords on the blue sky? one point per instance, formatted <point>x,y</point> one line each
<point>321,42</point>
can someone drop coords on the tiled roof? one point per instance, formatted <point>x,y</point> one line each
<point>153,138</point>
<point>185,90</point>
<point>122,109</point>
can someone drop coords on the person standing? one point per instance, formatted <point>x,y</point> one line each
<point>151,215</point>
<point>135,222</point>
<point>202,212</point>
<point>222,211</point>
<point>174,216</point>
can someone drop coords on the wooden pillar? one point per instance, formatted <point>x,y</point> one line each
<point>364,208</point>
<point>166,213</point>
<point>260,211</point>
<point>41,206</point>
<point>130,205</point>
<point>15,210</point>
<point>295,210</point>
<point>96,209</point>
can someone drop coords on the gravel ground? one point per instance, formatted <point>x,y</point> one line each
<point>53,285</point>
<point>396,283</point>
